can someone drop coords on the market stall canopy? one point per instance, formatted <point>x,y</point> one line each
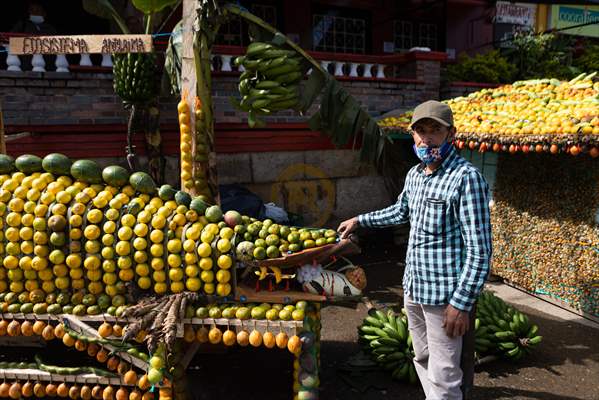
<point>542,115</point>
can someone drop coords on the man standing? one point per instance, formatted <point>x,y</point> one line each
<point>445,199</point>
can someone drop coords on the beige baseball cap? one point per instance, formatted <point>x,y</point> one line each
<point>433,109</point>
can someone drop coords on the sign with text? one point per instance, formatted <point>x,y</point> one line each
<point>91,44</point>
<point>564,16</point>
<point>515,13</point>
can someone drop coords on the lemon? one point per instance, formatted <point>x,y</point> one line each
<point>91,263</point>
<point>128,220</point>
<point>109,265</point>
<point>157,236</point>
<point>159,276</point>
<point>92,246</point>
<point>142,269</point>
<point>223,245</point>
<point>175,274</point>
<point>109,278</point>
<point>158,222</point>
<point>174,246</point>
<point>56,257</point>
<point>157,250</point>
<point>141,229</point>
<point>177,287</point>
<point>41,251</point>
<point>125,233</point>
<point>223,289</point>
<point>204,250</point>
<point>38,263</point>
<point>193,284</point>
<point>76,273</point>
<point>13,219</point>
<point>75,234</point>
<point>190,258</point>
<point>107,239</point>
<point>157,264</point>
<point>174,260</point>
<point>223,276</point>
<point>124,262</point>
<point>92,232</point>
<point>26,233</point>
<point>95,287</point>
<point>206,263</point>
<point>207,276</point>
<point>74,221</point>
<point>94,275</point>
<point>123,248</point>
<point>206,236</point>
<point>189,245</point>
<point>127,274</point>
<point>95,216</point>
<point>140,256</point>
<point>73,260</point>
<point>139,243</point>
<point>224,261</point>
<point>160,288</point>
<point>78,284</point>
<point>25,263</point>
<point>144,282</point>
<point>209,288</point>
<point>33,194</point>
<point>112,214</point>
<point>191,271</point>
<point>227,233</point>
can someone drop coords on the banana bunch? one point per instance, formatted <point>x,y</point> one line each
<point>270,81</point>
<point>502,329</point>
<point>134,76</point>
<point>385,335</point>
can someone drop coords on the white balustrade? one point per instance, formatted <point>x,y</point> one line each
<point>106,60</point>
<point>380,71</point>
<point>13,61</point>
<point>226,63</point>
<point>38,63</point>
<point>85,61</point>
<point>339,68</point>
<point>62,64</point>
<point>353,69</point>
<point>367,70</point>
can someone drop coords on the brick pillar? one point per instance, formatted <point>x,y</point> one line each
<point>425,67</point>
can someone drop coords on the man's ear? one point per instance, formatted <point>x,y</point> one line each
<point>452,132</point>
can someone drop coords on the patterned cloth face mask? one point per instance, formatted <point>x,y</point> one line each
<point>431,154</point>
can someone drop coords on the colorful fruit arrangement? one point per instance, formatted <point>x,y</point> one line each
<point>72,227</point>
<point>499,330</point>
<point>539,115</point>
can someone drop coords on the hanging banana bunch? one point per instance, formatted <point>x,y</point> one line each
<point>270,81</point>
<point>134,77</point>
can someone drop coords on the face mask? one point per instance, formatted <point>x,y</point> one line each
<point>429,155</point>
<point>36,19</point>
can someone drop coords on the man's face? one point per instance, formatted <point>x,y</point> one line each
<point>429,133</point>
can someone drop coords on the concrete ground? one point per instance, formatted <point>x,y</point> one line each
<point>564,367</point>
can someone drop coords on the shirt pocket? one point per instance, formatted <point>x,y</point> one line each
<point>433,216</point>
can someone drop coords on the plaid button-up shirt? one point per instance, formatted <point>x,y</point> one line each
<point>449,248</point>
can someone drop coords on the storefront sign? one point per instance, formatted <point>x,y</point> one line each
<point>515,13</point>
<point>92,44</point>
<point>564,16</point>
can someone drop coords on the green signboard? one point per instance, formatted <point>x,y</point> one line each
<point>564,16</point>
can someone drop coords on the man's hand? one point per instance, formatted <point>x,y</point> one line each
<point>347,227</point>
<point>456,322</point>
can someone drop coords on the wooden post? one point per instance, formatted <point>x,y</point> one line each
<point>196,82</point>
<point>2,140</point>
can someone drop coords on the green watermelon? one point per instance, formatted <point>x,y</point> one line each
<point>87,171</point>
<point>214,214</point>
<point>57,164</point>
<point>198,205</point>
<point>7,164</point>
<point>182,198</point>
<point>28,163</point>
<point>142,182</point>
<point>115,175</point>
<point>166,192</point>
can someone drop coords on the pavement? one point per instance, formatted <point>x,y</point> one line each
<point>565,366</point>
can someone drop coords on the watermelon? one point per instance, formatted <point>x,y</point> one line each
<point>87,171</point>
<point>115,175</point>
<point>198,205</point>
<point>182,198</point>
<point>166,192</point>
<point>142,182</point>
<point>7,164</point>
<point>28,163</point>
<point>57,164</point>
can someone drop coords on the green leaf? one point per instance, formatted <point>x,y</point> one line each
<point>311,90</point>
<point>104,9</point>
<point>173,57</point>
<point>279,39</point>
<point>152,6</point>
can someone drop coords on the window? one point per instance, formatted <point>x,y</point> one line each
<point>485,162</point>
<point>403,35</point>
<point>339,34</point>
<point>427,36</point>
<point>266,13</point>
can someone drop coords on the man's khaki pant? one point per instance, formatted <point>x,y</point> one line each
<point>438,358</point>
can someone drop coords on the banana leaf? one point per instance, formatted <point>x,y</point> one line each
<point>153,6</point>
<point>104,9</point>
<point>172,60</point>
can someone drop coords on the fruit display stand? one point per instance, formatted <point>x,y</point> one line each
<point>544,134</point>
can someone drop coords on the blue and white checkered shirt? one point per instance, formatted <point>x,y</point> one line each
<point>449,248</point>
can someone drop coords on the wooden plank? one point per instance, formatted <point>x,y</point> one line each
<point>280,296</point>
<point>22,341</point>
<point>78,44</point>
<point>76,322</point>
<point>40,375</point>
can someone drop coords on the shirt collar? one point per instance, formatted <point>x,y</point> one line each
<point>447,162</point>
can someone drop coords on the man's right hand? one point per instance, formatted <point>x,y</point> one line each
<point>347,227</point>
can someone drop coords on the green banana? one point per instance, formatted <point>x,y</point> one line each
<point>398,355</point>
<point>256,48</point>
<point>389,341</point>
<point>402,330</point>
<point>505,335</point>
<point>513,352</point>
<point>507,345</point>
<point>412,376</point>
<point>267,85</point>
<point>533,331</point>
<point>289,78</point>
<point>535,340</point>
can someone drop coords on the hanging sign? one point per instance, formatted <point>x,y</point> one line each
<point>515,13</point>
<point>91,44</point>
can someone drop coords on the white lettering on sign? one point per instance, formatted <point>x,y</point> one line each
<point>81,44</point>
<point>515,13</point>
